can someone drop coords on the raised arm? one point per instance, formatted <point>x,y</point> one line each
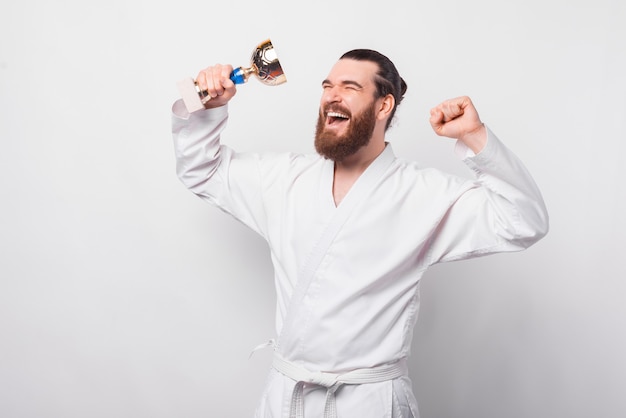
<point>211,170</point>
<point>504,211</point>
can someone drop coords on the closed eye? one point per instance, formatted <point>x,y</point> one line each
<point>346,84</point>
<point>351,85</point>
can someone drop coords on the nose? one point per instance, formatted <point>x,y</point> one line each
<point>330,95</point>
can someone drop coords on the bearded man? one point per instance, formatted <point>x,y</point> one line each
<point>352,230</point>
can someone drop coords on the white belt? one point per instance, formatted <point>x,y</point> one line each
<point>332,381</point>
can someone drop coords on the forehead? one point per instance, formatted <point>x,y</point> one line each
<point>362,72</point>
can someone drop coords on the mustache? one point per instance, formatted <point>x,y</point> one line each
<point>335,108</point>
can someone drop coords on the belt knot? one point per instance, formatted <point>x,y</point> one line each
<point>323,379</point>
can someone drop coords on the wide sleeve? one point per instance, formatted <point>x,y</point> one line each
<point>214,172</point>
<point>502,211</point>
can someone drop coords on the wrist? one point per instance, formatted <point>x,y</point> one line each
<point>475,139</point>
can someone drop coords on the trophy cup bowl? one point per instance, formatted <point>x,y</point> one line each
<point>264,65</point>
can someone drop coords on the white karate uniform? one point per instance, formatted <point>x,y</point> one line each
<point>361,306</point>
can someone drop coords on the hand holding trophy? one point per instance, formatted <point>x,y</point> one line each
<point>263,64</point>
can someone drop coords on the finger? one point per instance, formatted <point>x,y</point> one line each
<point>205,80</point>
<point>223,84</point>
<point>437,121</point>
<point>436,117</point>
<point>225,71</point>
<point>451,110</point>
<point>214,81</point>
<point>201,80</point>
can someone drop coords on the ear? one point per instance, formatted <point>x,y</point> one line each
<point>385,106</point>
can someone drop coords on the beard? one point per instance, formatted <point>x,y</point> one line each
<point>338,147</point>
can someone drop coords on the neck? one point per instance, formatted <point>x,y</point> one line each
<point>360,160</point>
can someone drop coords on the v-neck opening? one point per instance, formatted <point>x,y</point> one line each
<point>327,183</point>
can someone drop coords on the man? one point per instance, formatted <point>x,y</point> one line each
<point>352,230</point>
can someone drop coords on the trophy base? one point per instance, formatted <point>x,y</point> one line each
<point>189,94</point>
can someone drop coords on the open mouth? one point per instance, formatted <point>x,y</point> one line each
<point>334,118</point>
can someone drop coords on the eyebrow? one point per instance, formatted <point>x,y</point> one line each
<point>343,83</point>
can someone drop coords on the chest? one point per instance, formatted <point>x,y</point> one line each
<point>341,185</point>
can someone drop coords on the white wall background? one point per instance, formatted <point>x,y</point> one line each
<point>123,295</point>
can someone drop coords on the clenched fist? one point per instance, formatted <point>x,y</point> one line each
<point>215,80</point>
<point>457,118</point>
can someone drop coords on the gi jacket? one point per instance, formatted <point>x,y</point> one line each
<point>361,305</point>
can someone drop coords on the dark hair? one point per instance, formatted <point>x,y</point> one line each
<point>387,80</point>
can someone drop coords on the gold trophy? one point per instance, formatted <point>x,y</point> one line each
<point>263,64</point>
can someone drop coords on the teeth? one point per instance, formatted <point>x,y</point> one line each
<point>337,115</point>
